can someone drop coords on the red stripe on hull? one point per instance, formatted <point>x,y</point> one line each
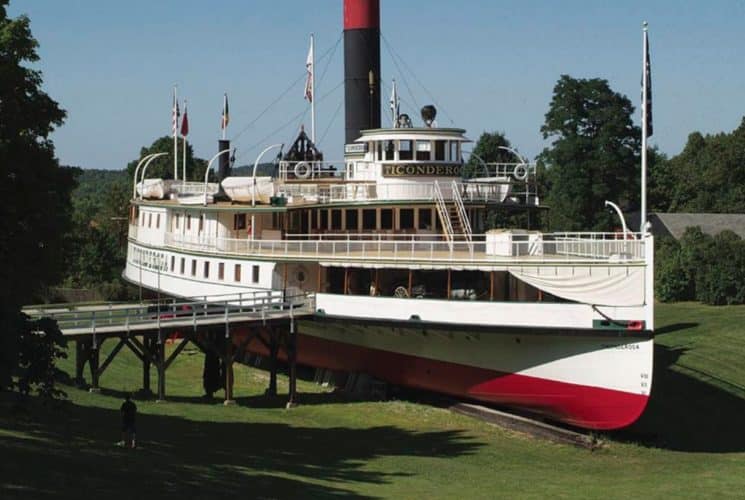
<point>579,405</point>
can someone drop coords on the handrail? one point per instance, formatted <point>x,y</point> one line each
<point>444,214</point>
<point>465,223</point>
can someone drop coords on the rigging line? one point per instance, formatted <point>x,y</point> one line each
<point>403,75</point>
<point>331,57</point>
<point>333,119</point>
<point>288,123</point>
<point>288,89</point>
<point>429,94</point>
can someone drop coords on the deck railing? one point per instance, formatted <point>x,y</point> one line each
<point>527,247</point>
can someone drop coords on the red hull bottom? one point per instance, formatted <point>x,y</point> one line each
<point>578,405</point>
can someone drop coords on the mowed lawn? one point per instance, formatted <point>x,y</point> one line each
<point>689,443</point>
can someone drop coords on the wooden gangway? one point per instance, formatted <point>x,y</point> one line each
<point>143,327</point>
<point>116,318</point>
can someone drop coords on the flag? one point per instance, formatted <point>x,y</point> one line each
<point>185,122</point>
<point>225,119</point>
<point>175,114</point>
<point>309,79</point>
<point>647,84</point>
<point>394,102</point>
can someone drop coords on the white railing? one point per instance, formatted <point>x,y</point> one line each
<point>549,247</point>
<point>309,170</point>
<point>444,214</point>
<point>462,215</point>
<point>194,188</point>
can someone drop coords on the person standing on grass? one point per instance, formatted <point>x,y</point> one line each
<point>129,412</point>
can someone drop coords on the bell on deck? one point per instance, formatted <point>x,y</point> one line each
<point>429,112</point>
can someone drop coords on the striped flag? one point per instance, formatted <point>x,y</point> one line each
<point>175,114</point>
<point>225,114</point>
<point>647,85</point>
<point>309,79</point>
<point>185,123</point>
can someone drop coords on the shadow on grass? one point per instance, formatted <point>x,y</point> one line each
<point>689,410</point>
<point>70,451</point>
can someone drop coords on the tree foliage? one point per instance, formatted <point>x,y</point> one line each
<point>163,167</point>
<point>708,176</point>
<point>594,154</point>
<point>35,190</point>
<point>488,149</point>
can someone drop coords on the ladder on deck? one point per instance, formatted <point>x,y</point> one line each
<point>453,216</point>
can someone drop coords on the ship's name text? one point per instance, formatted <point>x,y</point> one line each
<point>422,170</point>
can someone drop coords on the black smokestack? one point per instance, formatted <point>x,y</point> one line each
<point>361,62</point>
<point>223,161</point>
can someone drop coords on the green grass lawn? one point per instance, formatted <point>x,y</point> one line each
<point>690,442</point>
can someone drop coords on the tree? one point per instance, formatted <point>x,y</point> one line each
<point>163,167</point>
<point>35,191</point>
<point>594,155</point>
<point>489,150</point>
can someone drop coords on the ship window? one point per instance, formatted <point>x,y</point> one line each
<point>237,276</point>
<point>183,264</point>
<point>351,222</point>
<point>188,222</point>
<point>389,150</point>
<point>176,220</point>
<point>404,150</point>
<point>201,222</point>
<point>336,219</point>
<point>386,218</point>
<point>149,220</point>
<point>173,263</point>
<point>255,274</point>
<point>379,149</point>
<point>239,221</point>
<point>221,271</point>
<point>324,219</point>
<point>454,151</point>
<point>423,149</point>
<point>206,269</point>
<point>406,218</point>
<point>157,221</point>
<point>439,150</point>
<point>369,217</point>
<point>425,218</point>
<point>193,267</point>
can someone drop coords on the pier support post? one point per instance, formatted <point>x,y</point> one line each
<point>81,356</point>
<point>146,362</point>
<point>273,351</point>
<point>292,361</point>
<point>160,364</point>
<point>228,364</point>
<point>93,362</point>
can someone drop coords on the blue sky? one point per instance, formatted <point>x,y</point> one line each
<point>490,65</point>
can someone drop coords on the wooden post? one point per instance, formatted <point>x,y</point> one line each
<point>160,365</point>
<point>273,351</point>
<point>449,283</point>
<point>284,278</point>
<point>80,359</point>
<point>346,280</point>
<point>320,290</point>
<point>228,363</point>
<point>292,361</point>
<point>93,359</point>
<point>146,369</point>
<point>410,278</point>
<point>491,285</point>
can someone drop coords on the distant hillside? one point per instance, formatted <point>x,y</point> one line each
<point>93,182</point>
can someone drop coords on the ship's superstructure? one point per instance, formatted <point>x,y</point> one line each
<point>409,283</point>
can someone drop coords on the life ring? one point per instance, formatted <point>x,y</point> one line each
<point>302,170</point>
<point>520,172</point>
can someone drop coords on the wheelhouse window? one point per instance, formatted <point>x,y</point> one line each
<point>389,149</point>
<point>239,221</point>
<point>149,220</point>
<point>157,221</point>
<point>237,273</point>
<point>454,151</point>
<point>201,222</point>
<point>173,263</point>
<point>423,149</point>
<point>183,264</point>
<point>336,218</point>
<point>439,150</point>
<point>405,151</point>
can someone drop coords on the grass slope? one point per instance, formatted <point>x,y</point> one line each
<point>689,442</point>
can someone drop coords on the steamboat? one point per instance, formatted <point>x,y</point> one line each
<point>408,282</point>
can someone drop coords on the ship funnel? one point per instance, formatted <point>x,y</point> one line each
<point>223,161</point>
<point>361,67</point>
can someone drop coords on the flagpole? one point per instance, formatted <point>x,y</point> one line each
<point>183,171</point>
<point>643,215</point>
<point>175,135</point>
<point>312,90</point>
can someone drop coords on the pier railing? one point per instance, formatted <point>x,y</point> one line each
<point>528,247</point>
